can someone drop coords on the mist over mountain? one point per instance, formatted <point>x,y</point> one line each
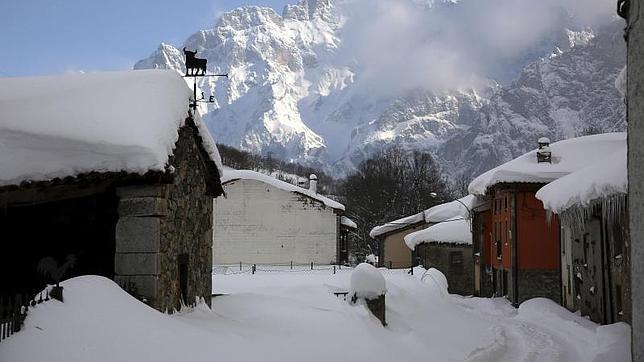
<point>329,82</point>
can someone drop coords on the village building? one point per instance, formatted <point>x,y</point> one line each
<point>524,242</point>
<point>106,174</point>
<point>447,246</point>
<point>393,253</point>
<point>592,207</point>
<point>348,241</point>
<point>263,220</point>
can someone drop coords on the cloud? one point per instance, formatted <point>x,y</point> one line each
<point>401,44</point>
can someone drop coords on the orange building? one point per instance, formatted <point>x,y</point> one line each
<point>517,247</point>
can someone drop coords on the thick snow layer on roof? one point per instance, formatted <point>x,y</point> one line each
<point>348,222</point>
<point>231,175</point>
<point>453,231</point>
<point>397,224</point>
<point>367,282</point>
<point>604,177</point>
<point>58,126</point>
<point>456,208</point>
<point>567,156</point>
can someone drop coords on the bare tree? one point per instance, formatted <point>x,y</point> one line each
<point>392,184</point>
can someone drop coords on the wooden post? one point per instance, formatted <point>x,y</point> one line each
<point>254,268</point>
<point>240,266</point>
<point>311,265</point>
<point>334,269</point>
<point>291,264</point>
<point>389,264</point>
<point>411,271</point>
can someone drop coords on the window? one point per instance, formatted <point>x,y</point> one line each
<point>499,249</point>
<point>456,258</point>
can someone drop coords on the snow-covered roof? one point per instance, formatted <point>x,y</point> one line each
<point>59,126</point>
<point>605,176</point>
<point>567,156</point>
<point>348,222</point>
<point>454,231</point>
<point>397,224</point>
<point>232,175</point>
<point>456,208</point>
<point>435,214</point>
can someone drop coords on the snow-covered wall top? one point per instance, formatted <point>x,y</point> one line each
<point>348,222</point>
<point>396,224</point>
<point>604,177</point>
<point>59,126</point>
<point>231,175</point>
<point>567,156</point>
<point>453,231</point>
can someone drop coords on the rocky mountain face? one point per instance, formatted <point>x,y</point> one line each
<point>295,93</point>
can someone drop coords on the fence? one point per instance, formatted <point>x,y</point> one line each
<point>249,268</point>
<point>13,310</point>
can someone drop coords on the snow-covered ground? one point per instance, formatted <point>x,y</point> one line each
<point>284,315</point>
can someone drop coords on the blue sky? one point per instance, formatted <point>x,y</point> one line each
<point>56,36</point>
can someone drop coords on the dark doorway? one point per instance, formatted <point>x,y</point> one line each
<point>184,270</point>
<point>82,227</point>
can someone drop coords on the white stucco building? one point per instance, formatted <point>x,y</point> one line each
<point>263,220</point>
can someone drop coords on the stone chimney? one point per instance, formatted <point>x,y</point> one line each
<point>313,183</point>
<point>543,153</point>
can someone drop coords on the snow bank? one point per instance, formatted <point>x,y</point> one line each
<point>453,231</point>
<point>567,156</point>
<point>397,224</point>
<point>606,176</point>
<point>58,126</point>
<point>367,282</point>
<point>232,175</point>
<point>613,343</point>
<point>348,222</point>
<point>436,279</point>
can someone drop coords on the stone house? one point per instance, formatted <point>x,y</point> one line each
<point>393,253</point>
<point>446,246</point>
<point>524,240</point>
<point>592,206</point>
<point>107,174</point>
<point>263,220</point>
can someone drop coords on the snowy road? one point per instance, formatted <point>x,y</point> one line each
<point>285,315</point>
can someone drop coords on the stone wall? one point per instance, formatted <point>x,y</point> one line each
<point>161,226</point>
<point>635,114</point>
<point>453,260</point>
<point>538,283</point>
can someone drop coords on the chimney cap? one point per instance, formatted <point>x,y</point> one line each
<point>313,177</point>
<point>544,140</point>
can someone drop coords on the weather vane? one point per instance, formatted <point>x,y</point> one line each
<point>196,67</point>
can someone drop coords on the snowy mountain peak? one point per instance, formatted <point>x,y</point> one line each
<point>297,90</point>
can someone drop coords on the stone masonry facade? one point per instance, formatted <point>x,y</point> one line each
<point>453,260</point>
<point>538,283</point>
<point>164,233</point>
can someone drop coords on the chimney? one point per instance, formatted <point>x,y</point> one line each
<point>543,153</point>
<point>313,183</point>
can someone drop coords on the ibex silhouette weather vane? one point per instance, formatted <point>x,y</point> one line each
<point>196,67</point>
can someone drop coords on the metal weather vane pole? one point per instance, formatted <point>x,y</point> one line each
<point>196,67</point>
